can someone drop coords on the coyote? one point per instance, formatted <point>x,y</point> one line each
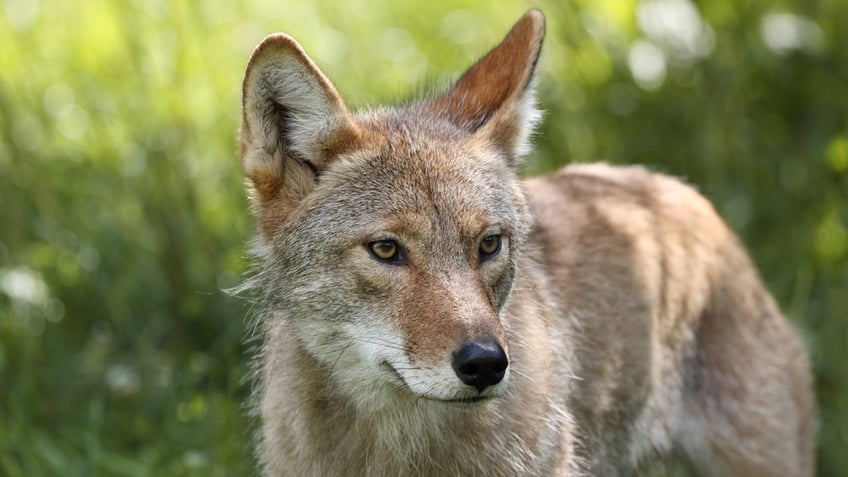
<point>423,311</point>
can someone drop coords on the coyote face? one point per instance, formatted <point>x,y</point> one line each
<point>395,277</point>
<point>425,312</point>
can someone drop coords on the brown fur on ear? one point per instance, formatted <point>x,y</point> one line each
<point>496,94</point>
<point>293,123</point>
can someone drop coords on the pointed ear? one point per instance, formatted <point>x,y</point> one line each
<point>495,97</point>
<point>293,123</point>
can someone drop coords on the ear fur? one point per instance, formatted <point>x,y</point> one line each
<point>293,122</point>
<point>495,97</point>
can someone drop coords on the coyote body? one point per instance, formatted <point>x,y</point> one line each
<point>425,312</point>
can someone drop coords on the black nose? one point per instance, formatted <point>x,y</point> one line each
<point>480,364</point>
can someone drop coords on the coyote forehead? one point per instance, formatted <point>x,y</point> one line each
<point>410,172</point>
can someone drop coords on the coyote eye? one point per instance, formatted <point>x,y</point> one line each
<point>384,250</point>
<point>490,246</point>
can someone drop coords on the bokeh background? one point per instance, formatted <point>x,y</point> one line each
<point>122,213</point>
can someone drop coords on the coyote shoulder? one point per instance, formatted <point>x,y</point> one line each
<point>425,312</point>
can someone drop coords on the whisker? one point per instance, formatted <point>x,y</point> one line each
<point>383,342</point>
<point>336,361</point>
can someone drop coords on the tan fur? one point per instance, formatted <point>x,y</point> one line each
<point>635,326</point>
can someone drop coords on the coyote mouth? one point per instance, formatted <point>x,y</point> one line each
<point>460,401</point>
<point>471,402</point>
<point>466,400</point>
<point>394,372</point>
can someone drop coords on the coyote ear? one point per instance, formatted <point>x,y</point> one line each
<point>293,123</point>
<point>495,96</point>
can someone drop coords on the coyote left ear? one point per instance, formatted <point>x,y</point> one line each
<point>294,123</point>
<point>495,97</point>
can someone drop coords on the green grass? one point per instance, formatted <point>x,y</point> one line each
<point>122,214</point>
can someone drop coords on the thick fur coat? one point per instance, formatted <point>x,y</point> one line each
<point>423,311</point>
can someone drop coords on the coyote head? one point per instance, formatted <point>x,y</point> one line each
<point>389,238</point>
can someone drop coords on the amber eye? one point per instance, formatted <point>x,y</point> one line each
<point>385,250</point>
<point>490,246</point>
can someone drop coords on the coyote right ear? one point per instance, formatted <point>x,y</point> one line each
<point>495,96</point>
<point>293,123</point>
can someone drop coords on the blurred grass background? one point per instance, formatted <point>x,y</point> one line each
<point>122,214</point>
